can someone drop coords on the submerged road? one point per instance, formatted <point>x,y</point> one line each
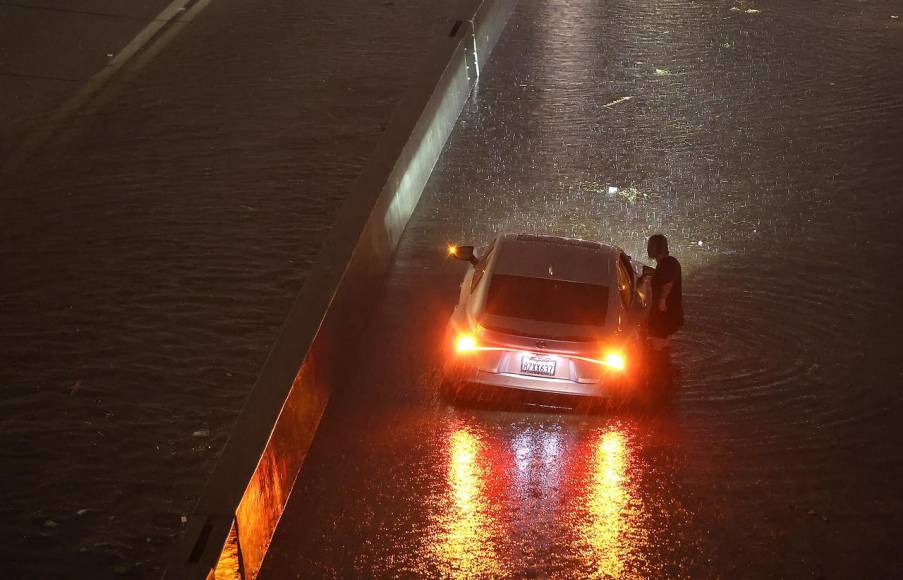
<point>764,139</point>
<point>150,251</point>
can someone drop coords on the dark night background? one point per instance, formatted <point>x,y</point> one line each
<point>150,251</point>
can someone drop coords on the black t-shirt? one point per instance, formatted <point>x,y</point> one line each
<point>668,270</point>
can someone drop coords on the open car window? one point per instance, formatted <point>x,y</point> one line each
<point>480,268</point>
<point>625,283</point>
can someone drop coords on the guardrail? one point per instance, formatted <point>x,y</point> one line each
<point>230,529</point>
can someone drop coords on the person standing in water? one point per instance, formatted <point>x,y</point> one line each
<point>666,312</point>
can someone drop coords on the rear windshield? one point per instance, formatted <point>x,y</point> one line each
<point>547,300</point>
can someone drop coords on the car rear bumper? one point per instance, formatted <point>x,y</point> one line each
<point>540,384</point>
<point>601,389</point>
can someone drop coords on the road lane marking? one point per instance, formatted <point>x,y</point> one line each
<point>146,44</point>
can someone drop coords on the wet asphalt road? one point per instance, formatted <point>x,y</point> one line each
<point>764,139</point>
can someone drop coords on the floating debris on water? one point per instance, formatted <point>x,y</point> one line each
<point>612,190</point>
<point>616,101</point>
<point>631,194</point>
<point>662,72</point>
<point>745,7</point>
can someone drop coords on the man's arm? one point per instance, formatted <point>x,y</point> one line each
<point>663,299</point>
<point>667,274</point>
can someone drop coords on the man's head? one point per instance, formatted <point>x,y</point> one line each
<point>657,248</point>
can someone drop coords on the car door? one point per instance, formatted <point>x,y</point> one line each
<point>473,278</point>
<point>626,282</point>
<point>635,307</point>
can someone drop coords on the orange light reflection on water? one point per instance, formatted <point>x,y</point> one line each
<point>608,526</point>
<point>228,567</point>
<point>465,545</point>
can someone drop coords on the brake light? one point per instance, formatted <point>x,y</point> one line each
<point>614,360</point>
<point>465,343</point>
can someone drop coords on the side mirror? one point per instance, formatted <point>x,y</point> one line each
<point>464,253</point>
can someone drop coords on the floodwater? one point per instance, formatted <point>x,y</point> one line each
<point>764,138</point>
<point>150,253</point>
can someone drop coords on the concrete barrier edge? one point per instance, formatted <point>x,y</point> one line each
<point>232,524</point>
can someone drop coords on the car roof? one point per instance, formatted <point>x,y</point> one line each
<point>555,257</point>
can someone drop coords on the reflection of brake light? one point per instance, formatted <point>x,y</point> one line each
<point>465,343</point>
<point>614,360</point>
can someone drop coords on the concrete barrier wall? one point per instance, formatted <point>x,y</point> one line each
<point>233,523</point>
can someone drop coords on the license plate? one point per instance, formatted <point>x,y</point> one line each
<point>537,366</point>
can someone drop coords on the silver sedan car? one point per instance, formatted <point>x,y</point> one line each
<point>548,314</point>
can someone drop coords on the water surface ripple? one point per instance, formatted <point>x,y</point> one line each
<point>149,255</point>
<point>764,138</point>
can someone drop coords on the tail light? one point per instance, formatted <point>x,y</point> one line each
<point>465,343</point>
<point>614,360</point>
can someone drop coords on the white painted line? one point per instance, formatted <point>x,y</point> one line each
<point>174,17</point>
<point>178,23</point>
